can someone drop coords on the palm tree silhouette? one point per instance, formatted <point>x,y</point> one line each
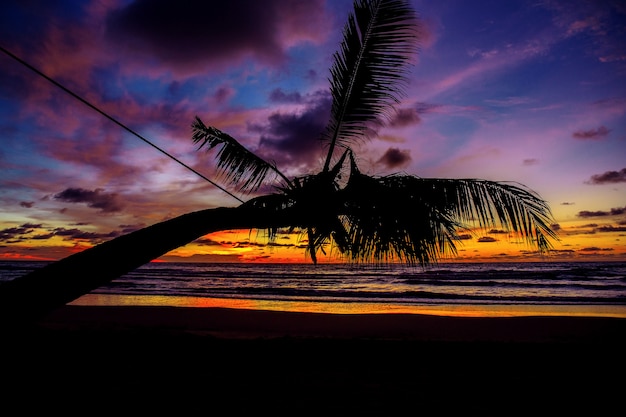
<point>366,218</point>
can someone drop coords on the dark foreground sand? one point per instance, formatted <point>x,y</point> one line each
<point>212,361</point>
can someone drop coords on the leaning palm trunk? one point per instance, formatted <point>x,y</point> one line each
<point>58,283</point>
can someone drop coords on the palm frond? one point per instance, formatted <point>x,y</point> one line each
<point>369,70</point>
<point>237,164</point>
<point>387,222</point>
<point>511,206</point>
<point>416,220</point>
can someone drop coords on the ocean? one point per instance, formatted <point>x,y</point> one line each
<point>589,288</point>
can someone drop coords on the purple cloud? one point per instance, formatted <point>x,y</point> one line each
<point>293,139</point>
<point>25,232</point>
<point>405,117</point>
<point>128,228</point>
<point>223,94</point>
<point>16,233</point>
<point>609,177</point>
<point>188,33</point>
<point>611,229</point>
<point>613,212</point>
<point>106,202</point>
<point>279,96</point>
<point>592,134</point>
<point>395,158</point>
<point>81,234</point>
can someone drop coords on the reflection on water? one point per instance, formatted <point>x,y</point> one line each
<point>470,310</point>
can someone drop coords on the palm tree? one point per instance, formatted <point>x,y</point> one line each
<point>366,218</point>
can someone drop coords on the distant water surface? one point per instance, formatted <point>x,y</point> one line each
<point>541,287</point>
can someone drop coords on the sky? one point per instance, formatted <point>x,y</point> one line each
<point>531,92</point>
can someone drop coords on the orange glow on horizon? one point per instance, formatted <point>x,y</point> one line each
<point>578,242</point>
<point>22,257</point>
<point>242,246</point>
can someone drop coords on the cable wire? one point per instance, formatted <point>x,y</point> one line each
<point>111,118</point>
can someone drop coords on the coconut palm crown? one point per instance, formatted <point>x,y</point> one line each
<point>387,218</point>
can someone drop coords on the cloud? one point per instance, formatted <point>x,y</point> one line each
<point>594,249</point>
<point>462,237</point>
<point>107,203</point>
<point>395,158</point>
<point>592,134</point>
<point>428,108</point>
<point>12,234</point>
<point>279,96</point>
<point>609,177</point>
<point>189,33</point>
<point>612,106</point>
<point>205,241</point>
<point>530,161</point>
<point>106,150</point>
<point>495,61</point>
<point>611,229</point>
<point>510,101</point>
<point>27,231</point>
<point>487,239</point>
<point>404,117</point>
<point>27,204</point>
<point>293,139</point>
<point>391,138</point>
<point>613,212</point>
<point>45,236</point>
<point>70,234</point>
<point>595,19</point>
<point>129,228</point>
<point>223,94</point>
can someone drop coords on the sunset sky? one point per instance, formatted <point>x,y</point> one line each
<point>532,92</point>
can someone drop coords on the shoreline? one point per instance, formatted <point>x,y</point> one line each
<point>244,323</point>
<point>453,310</point>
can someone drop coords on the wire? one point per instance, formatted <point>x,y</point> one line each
<point>111,118</point>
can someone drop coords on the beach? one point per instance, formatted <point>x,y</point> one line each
<point>201,360</point>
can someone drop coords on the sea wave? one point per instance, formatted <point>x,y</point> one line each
<point>596,283</point>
